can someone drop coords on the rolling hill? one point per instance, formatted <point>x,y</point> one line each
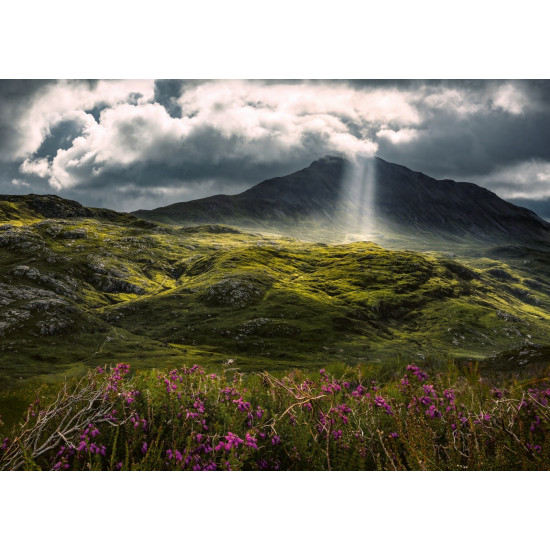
<point>95,287</point>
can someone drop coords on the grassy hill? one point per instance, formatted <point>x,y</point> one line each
<point>77,292</point>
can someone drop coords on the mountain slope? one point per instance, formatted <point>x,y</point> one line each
<point>333,198</point>
<point>24,208</point>
<point>83,291</point>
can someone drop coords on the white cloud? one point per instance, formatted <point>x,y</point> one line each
<point>219,121</point>
<point>225,121</point>
<point>126,134</point>
<point>230,102</point>
<point>457,101</point>
<point>400,136</point>
<point>525,180</point>
<point>52,101</point>
<point>38,167</point>
<point>511,98</point>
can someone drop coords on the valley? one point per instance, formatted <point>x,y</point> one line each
<point>77,292</point>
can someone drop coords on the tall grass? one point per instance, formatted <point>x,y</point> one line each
<point>360,418</point>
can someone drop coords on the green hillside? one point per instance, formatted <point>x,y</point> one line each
<point>81,292</point>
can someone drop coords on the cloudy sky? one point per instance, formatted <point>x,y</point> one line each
<point>141,144</point>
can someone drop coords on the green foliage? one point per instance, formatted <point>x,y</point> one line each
<point>186,419</point>
<point>76,292</point>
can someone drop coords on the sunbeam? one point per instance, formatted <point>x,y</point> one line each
<point>358,199</point>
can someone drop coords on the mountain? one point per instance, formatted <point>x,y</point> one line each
<point>334,199</point>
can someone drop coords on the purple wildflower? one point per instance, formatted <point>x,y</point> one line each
<point>242,405</point>
<point>416,371</point>
<point>432,412</point>
<point>250,441</point>
<point>535,448</point>
<point>379,401</point>
<point>231,441</point>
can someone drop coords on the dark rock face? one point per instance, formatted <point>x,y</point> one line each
<point>501,274</point>
<point>74,234</point>
<point>51,206</point>
<point>54,207</point>
<point>277,202</point>
<point>109,284</point>
<point>450,208</point>
<point>403,201</point>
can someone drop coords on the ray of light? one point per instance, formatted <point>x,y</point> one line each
<point>358,199</point>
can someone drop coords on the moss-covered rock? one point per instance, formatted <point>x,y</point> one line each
<point>237,291</point>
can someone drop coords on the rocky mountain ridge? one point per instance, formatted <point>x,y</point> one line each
<point>333,197</point>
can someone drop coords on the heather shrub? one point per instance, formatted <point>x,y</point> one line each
<point>187,419</point>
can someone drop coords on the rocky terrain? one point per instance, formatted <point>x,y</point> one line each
<point>78,290</point>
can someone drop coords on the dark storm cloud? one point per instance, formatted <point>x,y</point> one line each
<point>167,93</point>
<point>540,207</point>
<point>61,136</point>
<point>115,143</point>
<point>96,110</point>
<point>454,147</point>
<point>15,98</point>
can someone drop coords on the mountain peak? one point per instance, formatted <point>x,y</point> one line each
<point>333,198</point>
<point>329,159</point>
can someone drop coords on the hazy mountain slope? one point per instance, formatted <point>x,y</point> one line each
<point>320,202</point>
<point>414,200</point>
<point>284,200</point>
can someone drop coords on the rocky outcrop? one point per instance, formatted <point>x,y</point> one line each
<point>22,240</point>
<point>49,313</point>
<point>61,284</point>
<point>236,292</point>
<point>108,284</point>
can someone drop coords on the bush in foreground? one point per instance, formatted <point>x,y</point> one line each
<point>187,419</point>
